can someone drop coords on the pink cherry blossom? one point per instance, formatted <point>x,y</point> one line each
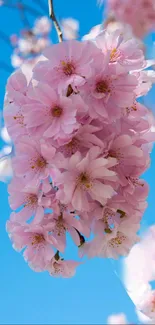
<point>36,241</point>
<point>84,179</point>
<point>65,222</point>
<point>56,115</point>
<point>68,63</point>
<point>33,160</point>
<point>29,198</point>
<point>60,267</point>
<point>123,52</point>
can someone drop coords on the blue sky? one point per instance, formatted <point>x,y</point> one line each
<point>95,292</point>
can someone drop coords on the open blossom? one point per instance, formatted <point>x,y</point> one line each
<point>108,91</point>
<point>52,115</point>
<point>115,242</point>
<point>85,179</point>
<point>82,140</point>
<point>68,64</point>
<point>33,160</point>
<point>29,198</point>
<point>36,241</point>
<point>59,267</point>
<point>65,222</point>
<point>123,52</point>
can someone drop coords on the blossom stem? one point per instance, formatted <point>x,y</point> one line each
<point>55,22</point>
<point>82,239</point>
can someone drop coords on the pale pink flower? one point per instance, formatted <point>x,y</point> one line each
<point>52,115</point>
<point>124,52</point>
<point>42,26</point>
<point>95,31</point>
<point>33,160</point>
<point>37,242</point>
<point>120,241</point>
<point>108,93</point>
<point>29,199</point>
<point>85,179</point>
<point>65,222</point>
<point>16,88</point>
<point>83,139</point>
<point>68,64</point>
<point>147,305</point>
<point>119,319</point>
<point>62,268</point>
<point>70,28</point>
<point>140,15</point>
<point>14,120</point>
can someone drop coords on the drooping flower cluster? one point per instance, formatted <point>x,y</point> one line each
<point>82,141</point>
<point>140,14</point>
<point>31,43</point>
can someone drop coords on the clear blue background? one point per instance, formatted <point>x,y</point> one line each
<point>95,292</point>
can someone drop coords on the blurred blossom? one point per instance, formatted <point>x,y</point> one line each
<point>117,319</point>
<point>31,43</point>
<point>137,283</point>
<point>5,169</point>
<point>94,32</point>
<point>139,14</point>
<point>70,28</point>
<point>16,61</point>
<point>111,25</point>
<point>5,136</point>
<point>14,39</point>
<point>42,25</point>
<point>5,157</point>
<point>143,318</point>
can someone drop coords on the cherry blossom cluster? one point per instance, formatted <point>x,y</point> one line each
<point>140,14</point>
<point>82,141</point>
<point>31,43</point>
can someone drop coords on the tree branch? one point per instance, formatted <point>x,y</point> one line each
<point>55,22</point>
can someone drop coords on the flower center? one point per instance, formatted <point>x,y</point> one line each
<point>57,111</point>
<point>31,200</point>
<point>59,227</point>
<point>57,268</point>
<point>68,68</point>
<point>72,146</point>
<point>114,55</point>
<point>38,163</point>
<point>118,240</point>
<point>102,87</point>
<point>37,239</point>
<point>84,181</point>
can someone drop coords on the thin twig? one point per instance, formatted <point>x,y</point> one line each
<point>55,22</point>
